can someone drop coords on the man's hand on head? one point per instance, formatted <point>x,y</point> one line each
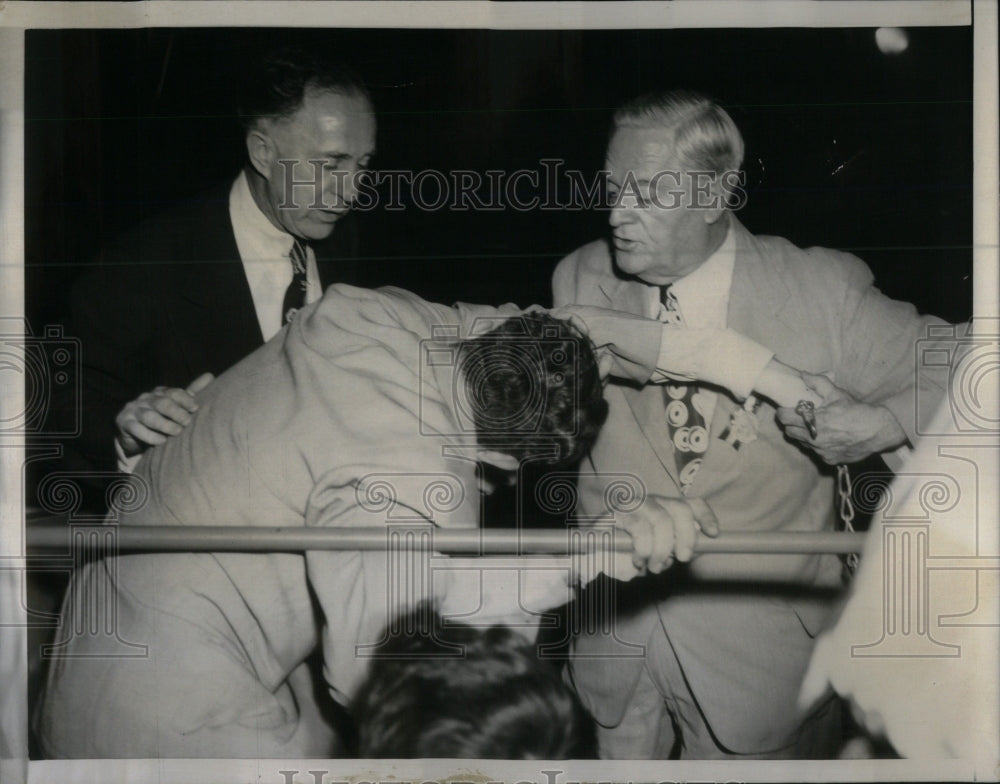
<point>848,430</point>
<point>155,416</point>
<point>627,345</point>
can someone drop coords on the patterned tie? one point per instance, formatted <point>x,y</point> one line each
<point>295,294</point>
<point>685,423</point>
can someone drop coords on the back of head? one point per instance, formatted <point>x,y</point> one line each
<point>703,135</point>
<point>460,692</point>
<point>533,388</point>
<point>279,80</point>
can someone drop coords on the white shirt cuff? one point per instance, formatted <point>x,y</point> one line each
<point>723,357</point>
<point>125,464</point>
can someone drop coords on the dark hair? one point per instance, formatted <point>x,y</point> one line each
<point>460,692</point>
<point>532,384</point>
<point>279,80</point>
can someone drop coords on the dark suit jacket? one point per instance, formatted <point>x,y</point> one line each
<point>165,303</point>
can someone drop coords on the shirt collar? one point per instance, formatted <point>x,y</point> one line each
<point>703,295</point>
<point>251,223</point>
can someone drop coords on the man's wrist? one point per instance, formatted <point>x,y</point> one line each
<point>890,435</point>
<point>783,385</point>
<point>886,436</point>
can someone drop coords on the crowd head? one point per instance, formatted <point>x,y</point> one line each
<point>437,690</point>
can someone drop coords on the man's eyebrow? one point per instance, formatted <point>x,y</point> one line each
<point>634,181</point>
<point>341,156</point>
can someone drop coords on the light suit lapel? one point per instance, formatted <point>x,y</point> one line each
<point>760,303</point>
<point>760,307</point>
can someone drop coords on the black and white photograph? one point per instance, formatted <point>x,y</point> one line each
<point>506,391</point>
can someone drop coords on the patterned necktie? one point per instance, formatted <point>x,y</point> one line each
<point>295,294</point>
<point>684,422</point>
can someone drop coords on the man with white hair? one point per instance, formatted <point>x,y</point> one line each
<point>727,639</point>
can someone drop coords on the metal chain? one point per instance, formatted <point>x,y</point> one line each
<point>844,491</point>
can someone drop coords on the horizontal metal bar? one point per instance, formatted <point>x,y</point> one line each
<point>190,538</point>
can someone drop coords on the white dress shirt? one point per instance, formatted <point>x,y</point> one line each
<point>264,250</point>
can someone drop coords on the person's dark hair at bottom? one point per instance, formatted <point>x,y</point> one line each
<point>462,692</point>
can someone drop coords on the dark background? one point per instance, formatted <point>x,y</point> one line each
<point>846,147</point>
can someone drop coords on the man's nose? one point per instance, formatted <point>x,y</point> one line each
<point>342,187</point>
<point>350,190</point>
<point>619,215</point>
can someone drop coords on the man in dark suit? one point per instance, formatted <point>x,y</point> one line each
<point>194,290</point>
<point>727,638</point>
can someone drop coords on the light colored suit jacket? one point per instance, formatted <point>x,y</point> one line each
<point>819,312</point>
<point>350,417</point>
<point>337,421</point>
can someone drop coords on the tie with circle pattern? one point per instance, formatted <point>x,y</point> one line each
<point>295,294</point>
<point>684,422</point>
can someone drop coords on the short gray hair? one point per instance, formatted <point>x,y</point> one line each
<point>704,136</point>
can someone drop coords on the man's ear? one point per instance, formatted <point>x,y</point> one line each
<point>713,214</point>
<point>719,203</point>
<point>261,151</point>
<point>500,460</point>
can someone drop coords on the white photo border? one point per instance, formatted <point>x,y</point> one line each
<point>16,17</point>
